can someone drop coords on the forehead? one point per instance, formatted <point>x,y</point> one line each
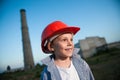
<point>62,36</point>
<point>65,35</point>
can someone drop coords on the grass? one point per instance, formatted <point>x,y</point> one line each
<point>106,65</point>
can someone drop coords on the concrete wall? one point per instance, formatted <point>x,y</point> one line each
<point>88,46</point>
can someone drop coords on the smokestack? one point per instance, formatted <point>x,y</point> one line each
<point>27,51</point>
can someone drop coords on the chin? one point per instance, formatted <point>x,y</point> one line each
<point>69,55</point>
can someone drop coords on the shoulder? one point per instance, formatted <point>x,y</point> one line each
<point>47,60</point>
<point>82,66</point>
<point>48,67</point>
<point>45,75</point>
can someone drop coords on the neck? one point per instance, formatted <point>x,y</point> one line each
<point>64,63</point>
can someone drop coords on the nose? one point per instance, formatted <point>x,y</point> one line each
<point>70,43</point>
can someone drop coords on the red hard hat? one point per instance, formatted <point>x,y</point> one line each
<point>54,28</point>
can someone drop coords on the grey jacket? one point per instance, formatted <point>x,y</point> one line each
<point>51,72</point>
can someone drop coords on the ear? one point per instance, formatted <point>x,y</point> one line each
<point>50,47</point>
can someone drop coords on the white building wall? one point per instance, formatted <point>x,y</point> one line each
<point>89,45</point>
<point>84,45</point>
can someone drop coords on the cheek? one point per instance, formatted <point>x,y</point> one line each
<point>73,45</point>
<point>58,47</point>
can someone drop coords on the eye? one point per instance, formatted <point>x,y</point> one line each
<point>64,39</point>
<point>72,39</point>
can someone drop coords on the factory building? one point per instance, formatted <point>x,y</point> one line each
<point>91,45</point>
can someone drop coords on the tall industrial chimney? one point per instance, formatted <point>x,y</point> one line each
<point>27,51</point>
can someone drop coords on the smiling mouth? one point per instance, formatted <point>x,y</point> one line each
<point>69,49</point>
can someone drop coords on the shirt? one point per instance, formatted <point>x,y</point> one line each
<point>68,73</point>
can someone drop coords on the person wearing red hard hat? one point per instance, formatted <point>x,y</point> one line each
<point>64,63</point>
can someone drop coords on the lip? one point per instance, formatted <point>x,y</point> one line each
<point>69,49</point>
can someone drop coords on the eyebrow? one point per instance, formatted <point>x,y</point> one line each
<point>64,37</point>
